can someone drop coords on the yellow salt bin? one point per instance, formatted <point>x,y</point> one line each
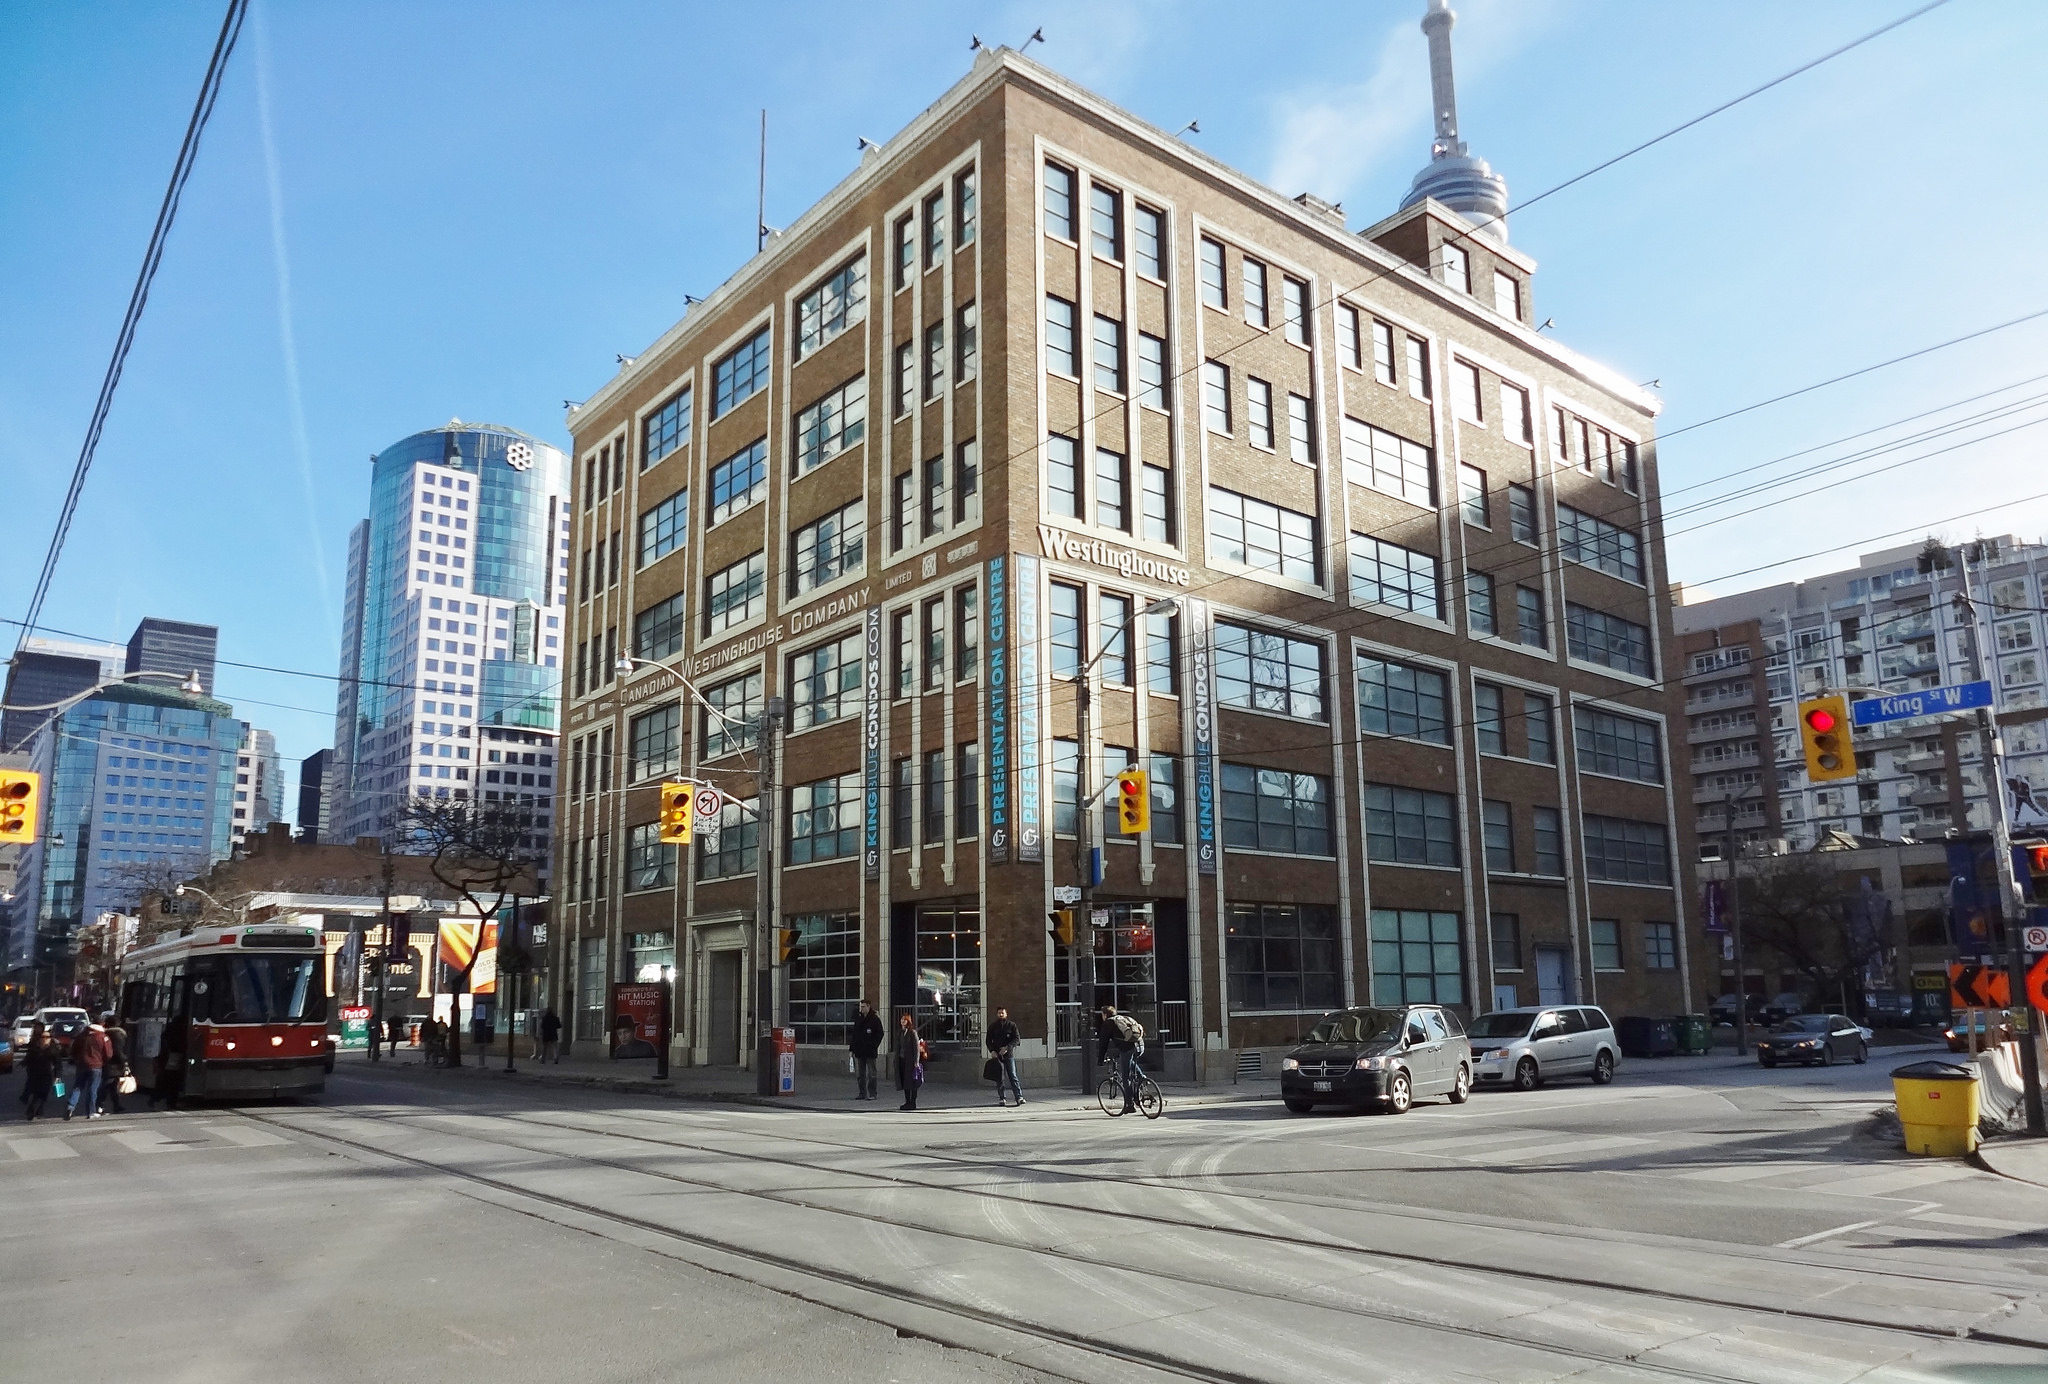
<point>1938,1106</point>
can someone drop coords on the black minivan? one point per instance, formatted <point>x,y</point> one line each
<point>1385,1057</point>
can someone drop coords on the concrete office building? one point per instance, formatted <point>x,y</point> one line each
<point>315,797</point>
<point>1034,366</point>
<point>259,786</point>
<point>174,648</point>
<point>47,670</point>
<point>452,629</point>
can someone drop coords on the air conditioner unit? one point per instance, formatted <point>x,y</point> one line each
<point>1710,851</point>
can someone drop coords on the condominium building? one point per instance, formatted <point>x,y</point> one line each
<point>259,786</point>
<point>1361,568</point>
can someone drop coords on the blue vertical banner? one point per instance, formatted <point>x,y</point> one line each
<point>1030,835</point>
<point>1716,910</point>
<point>871,746</point>
<point>1202,712</point>
<point>997,604</point>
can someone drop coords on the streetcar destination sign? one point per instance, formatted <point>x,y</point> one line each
<point>1930,701</point>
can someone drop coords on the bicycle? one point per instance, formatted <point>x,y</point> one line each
<point>1110,1095</point>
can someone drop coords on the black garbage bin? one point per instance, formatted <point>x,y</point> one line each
<point>1645,1037</point>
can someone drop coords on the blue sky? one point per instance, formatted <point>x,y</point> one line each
<point>405,212</point>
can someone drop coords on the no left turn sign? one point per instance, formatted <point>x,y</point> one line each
<point>709,801</point>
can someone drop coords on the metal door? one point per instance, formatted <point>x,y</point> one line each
<point>724,1009</point>
<point>1553,975</point>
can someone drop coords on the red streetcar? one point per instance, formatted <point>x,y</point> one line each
<point>229,1012</point>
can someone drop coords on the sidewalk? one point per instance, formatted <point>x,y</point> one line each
<point>2021,1159</point>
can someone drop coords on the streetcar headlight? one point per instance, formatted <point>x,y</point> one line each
<point>277,1042</point>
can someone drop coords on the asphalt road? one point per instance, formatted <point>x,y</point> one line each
<point>1733,1225</point>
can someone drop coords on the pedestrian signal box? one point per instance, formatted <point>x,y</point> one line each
<point>1824,733</point>
<point>1062,920</point>
<point>785,943</point>
<point>20,806</point>
<point>678,812</point>
<point>1133,802</point>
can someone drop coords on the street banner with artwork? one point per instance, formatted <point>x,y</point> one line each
<point>636,1019</point>
<point>458,944</point>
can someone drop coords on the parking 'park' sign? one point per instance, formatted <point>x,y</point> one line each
<point>1929,701</point>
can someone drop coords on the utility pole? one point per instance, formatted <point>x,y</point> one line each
<point>1084,926</point>
<point>1735,928</point>
<point>383,961</point>
<point>764,898</point>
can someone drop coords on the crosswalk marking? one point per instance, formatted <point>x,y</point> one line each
<point>1747,1172</point>
<point>146,1141</point>
<point>1555,1148</point>
<point>34,1150</point>
<point>244,1135</point>
<point>1882,1184</point>
<point>1446,1148</point>
<point>1981,1223</point>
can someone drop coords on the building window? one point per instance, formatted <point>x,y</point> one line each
<point>1215,286</point>
<point>963,210</point>
<point>740,374</point>
<point>1497,827</point>
<point>1507,295</point>
<point>1109,354</point>
<point>1626,852</point>
<point>1105,223</point>
<point>1457,266</point>
<point>1259,411</point>
<point>1062,477</point>
<point>824,819</point>
<point>1265,537</point>
<point>1148,236</point>
<point>906,377</point>
<point>1216,397</point>
<point>657,739</point>
<point>1605,936</point>
<point>1163,781</point>
<point>825,683</point>
<point>967,790</point>
<point>1349,349</point>
<point>1515,422</point>
<point>731,720</point>
<point>1530,626</point>
<point>1059,201</point>
<point>1063,626</point>
<point>934,614</point>
<point>1113,621</point>
<point>934,360</point>
<point>902,804</point>
<point>1660,946</point>
<point>1608,640</point>
<point>1388,574</point>
<point>1618,745</point>
<point>666,429</point>
<point>658,630</point>
<point>824,976</point>
<point>906,251</point>
<point>663,528</point>
<point>1282,956</point>
<point>1294,309</point>
<point>1158,504</point>
<point>1151,371</point>
<point>1418,957</point>
<point>1402,699</point>
<point>967,482</point>
<point>1465,392</point>
<point>1383,368</point>
<point>1505,929</point>
<point>737,594</point>
<point>1489,726</point>
<point>732,847</point>
<point>831,425</point>
<point>1537,711</point>
<point>1112,491</point>
<point>1254,292</point>
<point>1588,539</point>
<point>1418,367</point>
<point>903,649</point>
<point>841,301</point>
<point>1472,496</point>
<point>650,863</point>
<point>739,480</point>
<point>1392,465</point>
<point>1059,337</point>
<point>830,547</point>
<point>934,495</point>
<point>1273,810</point>
<point>1407,826</point>
<point>1548,829</point>
<point>1522,513</point>
<point>966,329</point>
<point>1262,671</point>
<point>1301,437</point>
<point>1162,653</point>
<point>934,230</point>
<point>1480,616</point>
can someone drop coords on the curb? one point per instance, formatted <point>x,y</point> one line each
<point>1979,1161</point>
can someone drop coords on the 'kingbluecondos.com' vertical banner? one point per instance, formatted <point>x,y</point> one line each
<point>998,607</point>
<point>871,747</point>
<point>1202,710</point>
<point>1030,839</point>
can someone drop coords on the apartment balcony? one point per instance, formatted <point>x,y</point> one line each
<point>1718,666</point>
<point>1719,699</point>
<point>1708,735</point>
<point>1930,797</point>
<point>1707,823</point>
<point>1924,761</point>
<point>1742,759</point>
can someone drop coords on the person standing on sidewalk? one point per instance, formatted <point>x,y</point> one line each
<point>865,1044</point>
<point>551,1037</point>
<point>1002,1045</point>
<point>39,1060</point>
<point>117,1065</point>
<point>909,1060</point>
<point>89,1056</point>
<point>394,1027</point>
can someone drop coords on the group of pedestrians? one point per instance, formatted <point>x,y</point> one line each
<point>1122,1038</point>
<point>98,1057</point>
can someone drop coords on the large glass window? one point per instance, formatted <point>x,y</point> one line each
<point>1268,672</point>
<point>1156,503</point>
<point>1162,653</point>
<point>1530,625</point>
<point>948,1004</point>
<point>1113,623</point>
<point>1617,745</point>
<point>824,682</point>
<point>740,374</point>
<point>1522,513</point>
<point>1599,637</point>
<point>731,845</point>
<point>664,527</point>
<point>1109,354</point>
<point>658,630</point>
<point>829,547</point>
<point>1105,222</point>
<point>650,862</point>
<point>1151,371</point>
<point>731,722</point>
<point>1547,825</point>
<point>1215,286</point>
<point>824,976</point>
<point>1488,724</point>
<point>1418,957</point>
<point>1273,810</point>
<point>1252,533</point>
<point>1480,615</point>
<point>1402,699</point>
<point>1589,539</point>
<point>1254,275</point>
<point>831,425</point>
<point>1392,465</point>
<point>1163,778</point>
<point>739,480</point>
<point>1660,946</point>
<point>1604,934</point>
<point>1112,490</point>
<point>824,819</point>
<point>737,594</point>
<point>657,739</point>
<point>1148,236</point>
<point>1061,348</point>
<point>665,429</point>
<point>1407,826</point>
<point>1216,397</point>
<point>1294,309</point>
<point>1059,201</point>
<point>1063,610</point>
<point>1283,956</point>
<point>841,301</point>
<point>1388,574</point>
<point>1497,823</point>
<point>1627,852</point>
<point>1062,477</point>
<point>1537,711</point>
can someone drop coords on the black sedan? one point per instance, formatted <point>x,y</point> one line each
<point>1815,1039</point>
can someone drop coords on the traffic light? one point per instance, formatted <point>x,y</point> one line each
<point>1824,731</point>
<point>785,943</point>
<point>20,806</point>
<point>1133,802</point>
<point>1062,926</point>
<point>678,812</point>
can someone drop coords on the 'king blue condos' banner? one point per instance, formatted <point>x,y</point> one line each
<point>1717,907</point>
<point>871,746</point>
<point>1030,840</point>
<point>1202,710</point>
<point>998,606</point>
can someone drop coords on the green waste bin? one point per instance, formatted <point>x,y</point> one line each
<point>1695,1034</point>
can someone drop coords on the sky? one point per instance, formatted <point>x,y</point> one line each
<point>407,212</point>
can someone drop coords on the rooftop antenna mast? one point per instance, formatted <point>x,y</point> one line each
<point>761,191</point>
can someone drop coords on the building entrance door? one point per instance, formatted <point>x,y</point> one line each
<point>1553,975</point>
<point>724,1009</point>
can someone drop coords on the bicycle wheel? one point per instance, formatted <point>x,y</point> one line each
<point>1150,1102</point>
<point>1110,1096</point>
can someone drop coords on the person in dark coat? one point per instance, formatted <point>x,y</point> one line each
<point>909,1060</point>
<point>551,1037</point>
<point>394,1029</point>
<point>39,1060</point>
<point>117,1065</point>
<point>1002,1046</point>
<point>865,1043</point>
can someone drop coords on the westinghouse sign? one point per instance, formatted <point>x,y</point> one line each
<point>1127,562</point>
<point>789,627</point>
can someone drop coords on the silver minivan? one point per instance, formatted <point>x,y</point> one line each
<point>1524,1048</point>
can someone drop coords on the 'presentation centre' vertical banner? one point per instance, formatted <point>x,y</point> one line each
<point>1030,839</point>
<point>1202,710</point>
<point>997,603</point>
<point>871,746</point>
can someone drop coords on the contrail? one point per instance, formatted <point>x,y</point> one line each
<point>284,316</point>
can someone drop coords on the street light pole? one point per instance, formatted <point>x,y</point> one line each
<point>1735,928</point>
<point>765,816</point>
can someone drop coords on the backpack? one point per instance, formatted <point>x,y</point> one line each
<point>1128,1029</point>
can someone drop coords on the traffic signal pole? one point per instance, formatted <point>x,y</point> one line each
<point>765,816</point>
<point>1084,913</point>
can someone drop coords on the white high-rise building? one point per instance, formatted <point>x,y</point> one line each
<point>259,785</point>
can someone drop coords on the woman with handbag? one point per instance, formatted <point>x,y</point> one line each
<point>118,1082</point>
<point>910,1055</point>
<point>40,1061</point>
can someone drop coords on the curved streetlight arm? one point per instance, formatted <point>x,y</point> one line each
<point>625,666</point>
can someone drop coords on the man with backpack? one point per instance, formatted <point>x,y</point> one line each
<point>1124,1039</point>
<point>89,1057</point>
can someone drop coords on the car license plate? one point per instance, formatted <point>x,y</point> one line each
<point>1319,1086</point>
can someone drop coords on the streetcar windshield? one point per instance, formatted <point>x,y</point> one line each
<point>245,989</point>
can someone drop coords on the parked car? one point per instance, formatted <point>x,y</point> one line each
<point>1992,1026</point>
<point>1783,1006</point>
<point>1387,1057</point>
<point>1524,1048</point>
<point>1722,1010</point>
<point>1816,1039</point>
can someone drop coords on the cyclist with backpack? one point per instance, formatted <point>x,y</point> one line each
<point>1124,1040</point>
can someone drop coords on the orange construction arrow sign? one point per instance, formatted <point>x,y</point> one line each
<point>2037,983</point>
<point>1978,987</point>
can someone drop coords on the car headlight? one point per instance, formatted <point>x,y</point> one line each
<point>1497,1055</point>
<point>1370,1064</point>
<point>1290,1064</point>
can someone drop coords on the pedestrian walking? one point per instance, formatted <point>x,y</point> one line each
<point>436,1035</point>
<point>394,1029</point>
<point>1124,1039</point>
<point>39,1062</point>
<point>117,1065</point>
<point>865,1045</point>
<point>551,1037</point>
<point>89,1054</point>
<point>910,1055</point>
<point>1002,1046</point>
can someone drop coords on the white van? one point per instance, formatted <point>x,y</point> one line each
<point>1524,1048</point>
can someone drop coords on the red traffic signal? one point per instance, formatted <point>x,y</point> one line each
<point>1821,719</point>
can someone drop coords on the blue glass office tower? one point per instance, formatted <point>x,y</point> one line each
<point>452,628</point>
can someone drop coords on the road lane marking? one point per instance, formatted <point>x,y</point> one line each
<point>1980,1222</point>
<point>37,1150</point>
<point>1820,1235</point>
<point>1883,1184</point>
<point>1747,1172</point>
<point>146,1141</point>
<point>243,1135</point>
<point>1556,1148</point>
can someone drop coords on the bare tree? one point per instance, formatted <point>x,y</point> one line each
<point>1807,912</point>
<point>487,853</point>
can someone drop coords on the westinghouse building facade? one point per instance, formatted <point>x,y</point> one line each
<point>1030,369</point>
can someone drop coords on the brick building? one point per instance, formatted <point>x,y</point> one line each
<point>1031,368</point>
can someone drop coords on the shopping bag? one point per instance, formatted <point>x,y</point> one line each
<point>58,1088</point>
<point>991,1070</point>
<point>126,1086</point>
